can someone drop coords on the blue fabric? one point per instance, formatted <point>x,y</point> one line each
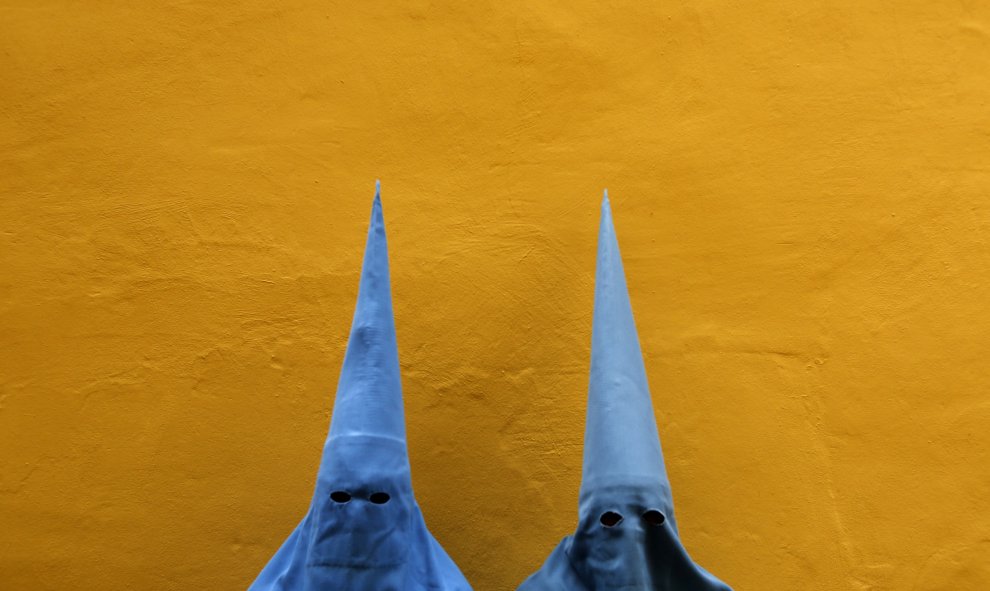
<point>627,535</point>
<point>354,537</point>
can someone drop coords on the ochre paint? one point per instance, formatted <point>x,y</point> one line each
<point>802,196</point>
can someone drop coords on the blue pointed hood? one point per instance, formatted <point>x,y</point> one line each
<point>626,536</point>
<point>621,442</point>
<point>364,530</point>
<point>368,408</point>
<point>369,391</point>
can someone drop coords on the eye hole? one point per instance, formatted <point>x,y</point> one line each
<point>610,519</point>
<point>340,496</point>
<point>654,517</point>
<point>379,498</point>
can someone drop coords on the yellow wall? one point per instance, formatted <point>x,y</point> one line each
<point>802,195</point>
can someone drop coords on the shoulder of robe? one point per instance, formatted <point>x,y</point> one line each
<point>556,574</point>
<point>702,579</point>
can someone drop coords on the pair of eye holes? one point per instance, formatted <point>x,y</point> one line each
<point>378,498</point>
<point>651,517</point>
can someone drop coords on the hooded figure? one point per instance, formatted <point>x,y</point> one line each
<point>626,536</point>
<point>364,531</point>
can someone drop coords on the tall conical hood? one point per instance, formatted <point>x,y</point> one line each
<point>364,530</point>
<point>621,443</point>
<point>369,392</point>
<point>626,536</point>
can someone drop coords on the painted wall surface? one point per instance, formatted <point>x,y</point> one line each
<point>802,195</point>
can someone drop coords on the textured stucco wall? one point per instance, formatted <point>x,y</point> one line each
<point>802,195</point>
